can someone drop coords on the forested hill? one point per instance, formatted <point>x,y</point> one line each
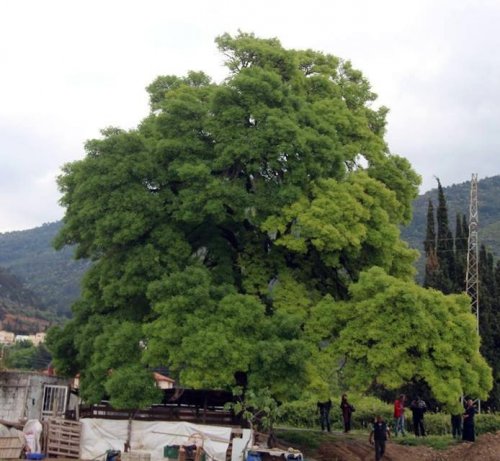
<point>20,309</point>
<point>457,198</point>
<point>52,276</point>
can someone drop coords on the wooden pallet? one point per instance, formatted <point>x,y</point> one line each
<point>63,438</point>
<point>10,447</point>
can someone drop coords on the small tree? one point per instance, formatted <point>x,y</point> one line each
<point>260,409</point>
<point>393,332</point>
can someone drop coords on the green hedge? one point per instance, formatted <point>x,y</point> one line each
<point>304,414</point>
<point>440,424</point>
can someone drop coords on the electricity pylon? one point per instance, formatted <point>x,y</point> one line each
<point>472,274</point>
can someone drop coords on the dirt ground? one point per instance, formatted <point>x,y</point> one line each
<point>486,448</point>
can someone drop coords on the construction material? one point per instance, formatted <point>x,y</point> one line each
<point>136,456</point>
<point>63,438</point>
<point>11,447</point>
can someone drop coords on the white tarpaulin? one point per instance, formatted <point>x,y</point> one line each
<point>100,435</point>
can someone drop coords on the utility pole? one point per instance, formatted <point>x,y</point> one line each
<point>472,274</point>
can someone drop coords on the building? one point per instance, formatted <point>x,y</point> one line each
<point>30,395</point>
<point>7,337</point>
<point>162,381</point>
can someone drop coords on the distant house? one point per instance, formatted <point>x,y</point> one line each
<point>10,338</point>
<point>38,338</point>
<point>163,382</point>
<point>20,338</point>
<point>7,337</point>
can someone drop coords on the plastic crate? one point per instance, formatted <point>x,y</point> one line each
<point>171,451</point>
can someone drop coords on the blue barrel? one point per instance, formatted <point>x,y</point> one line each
<point>254,457</point>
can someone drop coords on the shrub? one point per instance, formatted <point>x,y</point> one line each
<point>487,422</point>
<point>440,423</point>
<point>304,414</point>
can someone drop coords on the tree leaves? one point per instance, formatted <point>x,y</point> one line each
<point>393,331</point>
<point>234,233</point>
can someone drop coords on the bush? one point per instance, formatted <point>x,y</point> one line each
<point>300,413</point>
<point>440,423</point>
<point>487,422</point>
<point>434,423</point>
<point>304,414</point>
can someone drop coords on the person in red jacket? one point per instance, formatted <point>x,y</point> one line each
<point>399,415</point>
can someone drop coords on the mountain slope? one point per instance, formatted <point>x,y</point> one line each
<point>53,276</point>
<point>458,198</point>
<point>20,308</point>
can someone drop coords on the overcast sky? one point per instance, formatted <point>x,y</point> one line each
<point>72,67</point>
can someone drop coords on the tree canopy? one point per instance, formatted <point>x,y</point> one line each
<point>230,217</point>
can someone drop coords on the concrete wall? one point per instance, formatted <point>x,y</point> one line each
<point>21,394</point>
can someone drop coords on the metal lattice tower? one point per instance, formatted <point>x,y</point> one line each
<point>472,274</point>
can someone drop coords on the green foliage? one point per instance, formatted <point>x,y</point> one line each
<point>487,422</point>
<point>438,442</point>
<point>457,199</point>
<point>439,424</point>
<point>259,409</point>
<point>52,277</point>
<point>446,261</point>
<point>301,413</point>
<point>392,332</point>
<point>235,231</point>
<point>132,387</point>
<point>24,355</point>
<point>294,438</point>
<point>304,413</point>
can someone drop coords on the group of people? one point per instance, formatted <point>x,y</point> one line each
<point>462,425</point>
<point>324,413</point>
<point>418,407</point>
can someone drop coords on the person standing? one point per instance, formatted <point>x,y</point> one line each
<point>347,411</point>
<point>399,415</point>
<point>418,408</point>
<point>324,414</point>
<point>468,433</point>
<point>456,426</point>
<point>379,434</point>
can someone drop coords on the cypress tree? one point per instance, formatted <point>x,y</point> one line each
<point>444,246</point>
<point>431,262</point>
<point>461,246</point>
<point>489,319</point>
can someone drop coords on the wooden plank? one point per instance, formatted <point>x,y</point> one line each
<point>10,447</point>
<point>63,438</point>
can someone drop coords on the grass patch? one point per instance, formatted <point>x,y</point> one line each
<point>438,442</point>
<point>308,439</point>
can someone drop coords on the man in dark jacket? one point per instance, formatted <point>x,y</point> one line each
<point>324,414</point>
<point>379,434</point>
<point>418,408</point>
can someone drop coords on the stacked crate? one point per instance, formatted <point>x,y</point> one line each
<point>63,438</point>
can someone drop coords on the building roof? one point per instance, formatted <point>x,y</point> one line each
<point>159,377</point>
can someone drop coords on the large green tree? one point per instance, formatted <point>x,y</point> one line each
<point>231,215</point>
